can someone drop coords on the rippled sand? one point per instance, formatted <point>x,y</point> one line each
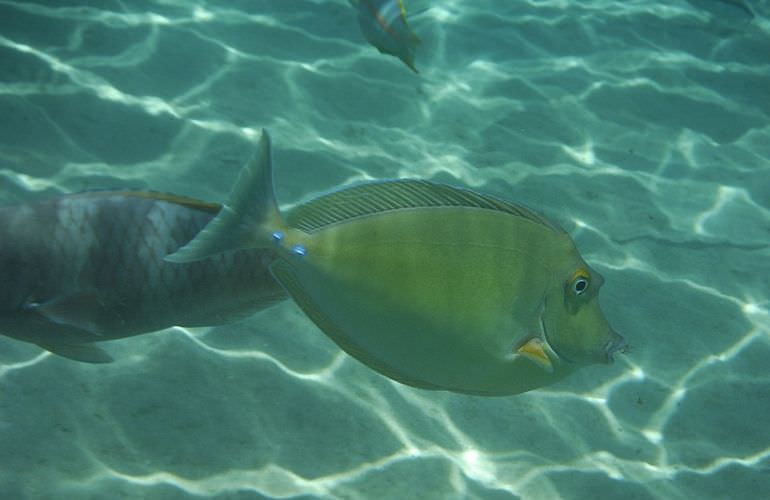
<point>640,126</point>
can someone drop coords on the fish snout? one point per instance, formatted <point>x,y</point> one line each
<point>616,343</point>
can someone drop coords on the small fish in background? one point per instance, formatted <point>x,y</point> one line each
<point>88,267</point>
<point>433,286</point>
<point>743,5</point>
<point>719,8</point>
<point>383,24</point>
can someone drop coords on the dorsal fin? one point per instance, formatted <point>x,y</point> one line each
<point>185,201</point>
<point>377,197</point>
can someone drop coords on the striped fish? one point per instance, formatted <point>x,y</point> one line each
<point>88,267</point>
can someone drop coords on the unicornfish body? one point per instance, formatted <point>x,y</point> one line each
<point>432,285</point>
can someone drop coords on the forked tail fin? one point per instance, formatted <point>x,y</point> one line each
<point>249,217</point>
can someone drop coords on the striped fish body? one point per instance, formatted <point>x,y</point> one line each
<point>89,267</point>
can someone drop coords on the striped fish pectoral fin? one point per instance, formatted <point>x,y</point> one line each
<point>85,353</point>
<point>80,310</point>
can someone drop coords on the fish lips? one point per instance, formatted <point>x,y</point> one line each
<point>616,343</point>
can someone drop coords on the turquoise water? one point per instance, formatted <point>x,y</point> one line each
<point>642,127</point>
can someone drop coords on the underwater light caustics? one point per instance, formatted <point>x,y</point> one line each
<point>433,286</point>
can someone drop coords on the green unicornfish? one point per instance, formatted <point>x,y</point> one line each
<point>433,286</point>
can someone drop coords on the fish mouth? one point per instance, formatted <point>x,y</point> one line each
<point>616,343</point>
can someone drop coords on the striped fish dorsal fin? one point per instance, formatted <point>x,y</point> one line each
<point>377,197</point>
<point>185,201</point>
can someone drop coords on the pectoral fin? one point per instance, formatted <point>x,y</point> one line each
<point>534,350</point>
<point>79,352</point>
<point>80,310</point>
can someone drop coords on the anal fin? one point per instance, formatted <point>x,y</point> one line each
<point>86,353</point>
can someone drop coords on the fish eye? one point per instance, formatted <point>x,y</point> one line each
<point>580,285</point>
<point>580,282</point>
